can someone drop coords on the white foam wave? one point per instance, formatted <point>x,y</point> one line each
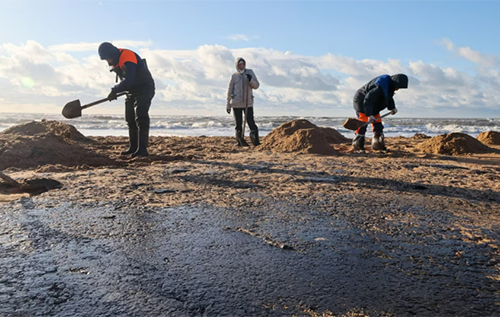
<point>224,125</point>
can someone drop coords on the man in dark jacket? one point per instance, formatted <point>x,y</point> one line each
<point>369,100</point>
<point>137,81</point>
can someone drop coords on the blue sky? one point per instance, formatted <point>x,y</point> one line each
<point>450,50</point>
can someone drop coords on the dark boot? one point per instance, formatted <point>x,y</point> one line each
<point>133,140</point>
<point>358,143</point>
<point>254,136</point>
<point>240,139</point>
<point>378,143</point>
<point>143,142</point>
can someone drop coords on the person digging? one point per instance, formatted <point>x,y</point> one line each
<point>137,82</point>
<point>240,99</point>
<point>369,100</point>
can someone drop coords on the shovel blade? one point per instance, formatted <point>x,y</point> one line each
<point>353,124</point>
<point>72,110</point>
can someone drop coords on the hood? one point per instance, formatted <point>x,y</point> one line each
<point>238,60</point>
<point>400,81</point>
<point>109,51</point>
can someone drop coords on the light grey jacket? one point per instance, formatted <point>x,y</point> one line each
<point>240,88</point>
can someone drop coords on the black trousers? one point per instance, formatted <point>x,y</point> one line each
<point>378,127</point>
<point>238,118</point>
<point>137,109</point>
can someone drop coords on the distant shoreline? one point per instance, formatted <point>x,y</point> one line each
<point>190,125</point>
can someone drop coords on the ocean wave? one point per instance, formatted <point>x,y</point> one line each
<point>224,125</point>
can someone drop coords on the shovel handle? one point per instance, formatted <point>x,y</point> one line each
<point>102,100</point>
<point>382,116</point>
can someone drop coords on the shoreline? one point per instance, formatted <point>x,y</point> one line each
<point>224,125</point>
<point>201,227</point>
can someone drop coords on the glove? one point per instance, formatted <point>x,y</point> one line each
<point>371,119</point>
<point>112,95</point>
<point>249,77</point>
<point>228,110</point>
<point>394,111</point>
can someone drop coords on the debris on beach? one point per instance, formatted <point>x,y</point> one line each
<point>490,137</point>
<point>302,136</point>
<point>31,186</point>
<point>47,142</point>
<point>453,144</point>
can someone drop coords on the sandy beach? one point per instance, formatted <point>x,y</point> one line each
<point>299,226</point>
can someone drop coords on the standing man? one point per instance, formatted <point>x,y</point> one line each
<point>240,99</point>
<point>369,100</point>
<point>137,81</point>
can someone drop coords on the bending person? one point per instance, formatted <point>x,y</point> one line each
<point>369,100</point>
<point>137,81</point>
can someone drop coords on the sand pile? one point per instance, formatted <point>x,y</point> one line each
<point>453,144</point>
<point>420,136</point>
<point>333,136</point>
<point>301,136</point>
<point>490,137</point>
<point>63,130</point>
<point>47,142</point>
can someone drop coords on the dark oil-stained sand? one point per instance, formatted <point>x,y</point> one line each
<point>203,228</point>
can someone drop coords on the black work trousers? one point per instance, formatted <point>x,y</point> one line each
<point>238,118</point>
<point>137,109</point>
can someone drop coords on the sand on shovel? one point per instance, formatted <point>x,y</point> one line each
<point>48,142</point>
<point>453,144</point>
<point>301,136</point>
<point>490,137</point>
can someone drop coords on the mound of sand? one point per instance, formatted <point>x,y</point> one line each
<point>301,136</point>
<point>333,136</point>
<point>420,136</point>
<point>490,137</point>
<point>63,130</point>
<point>47,142</point>
<point>44,148</point>
<point>453,144</point>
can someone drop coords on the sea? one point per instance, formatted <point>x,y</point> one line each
<point>115,125</point>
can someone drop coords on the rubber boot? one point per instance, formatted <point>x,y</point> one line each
<point>143,142</point>
<point>358,143</point>
<point>378,143</point>
<point>240,139</point>
<point>254,136</point>
<point>133,140</point>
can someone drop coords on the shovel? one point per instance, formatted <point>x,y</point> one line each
<point>74,108</point>
<point>354,124</point>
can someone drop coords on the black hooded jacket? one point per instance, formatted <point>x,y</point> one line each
<point>378,94</point>
<point>130,68</point>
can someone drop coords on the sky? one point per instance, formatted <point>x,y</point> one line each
<point>309,56</point>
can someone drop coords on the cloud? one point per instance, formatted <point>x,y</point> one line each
<point>40,79</point>
<point>87,47</point>
<point>238,37</point>
<point>473,56</point>
<point>242,37</point>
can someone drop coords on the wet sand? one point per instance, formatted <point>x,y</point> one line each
<point>202,228</point>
